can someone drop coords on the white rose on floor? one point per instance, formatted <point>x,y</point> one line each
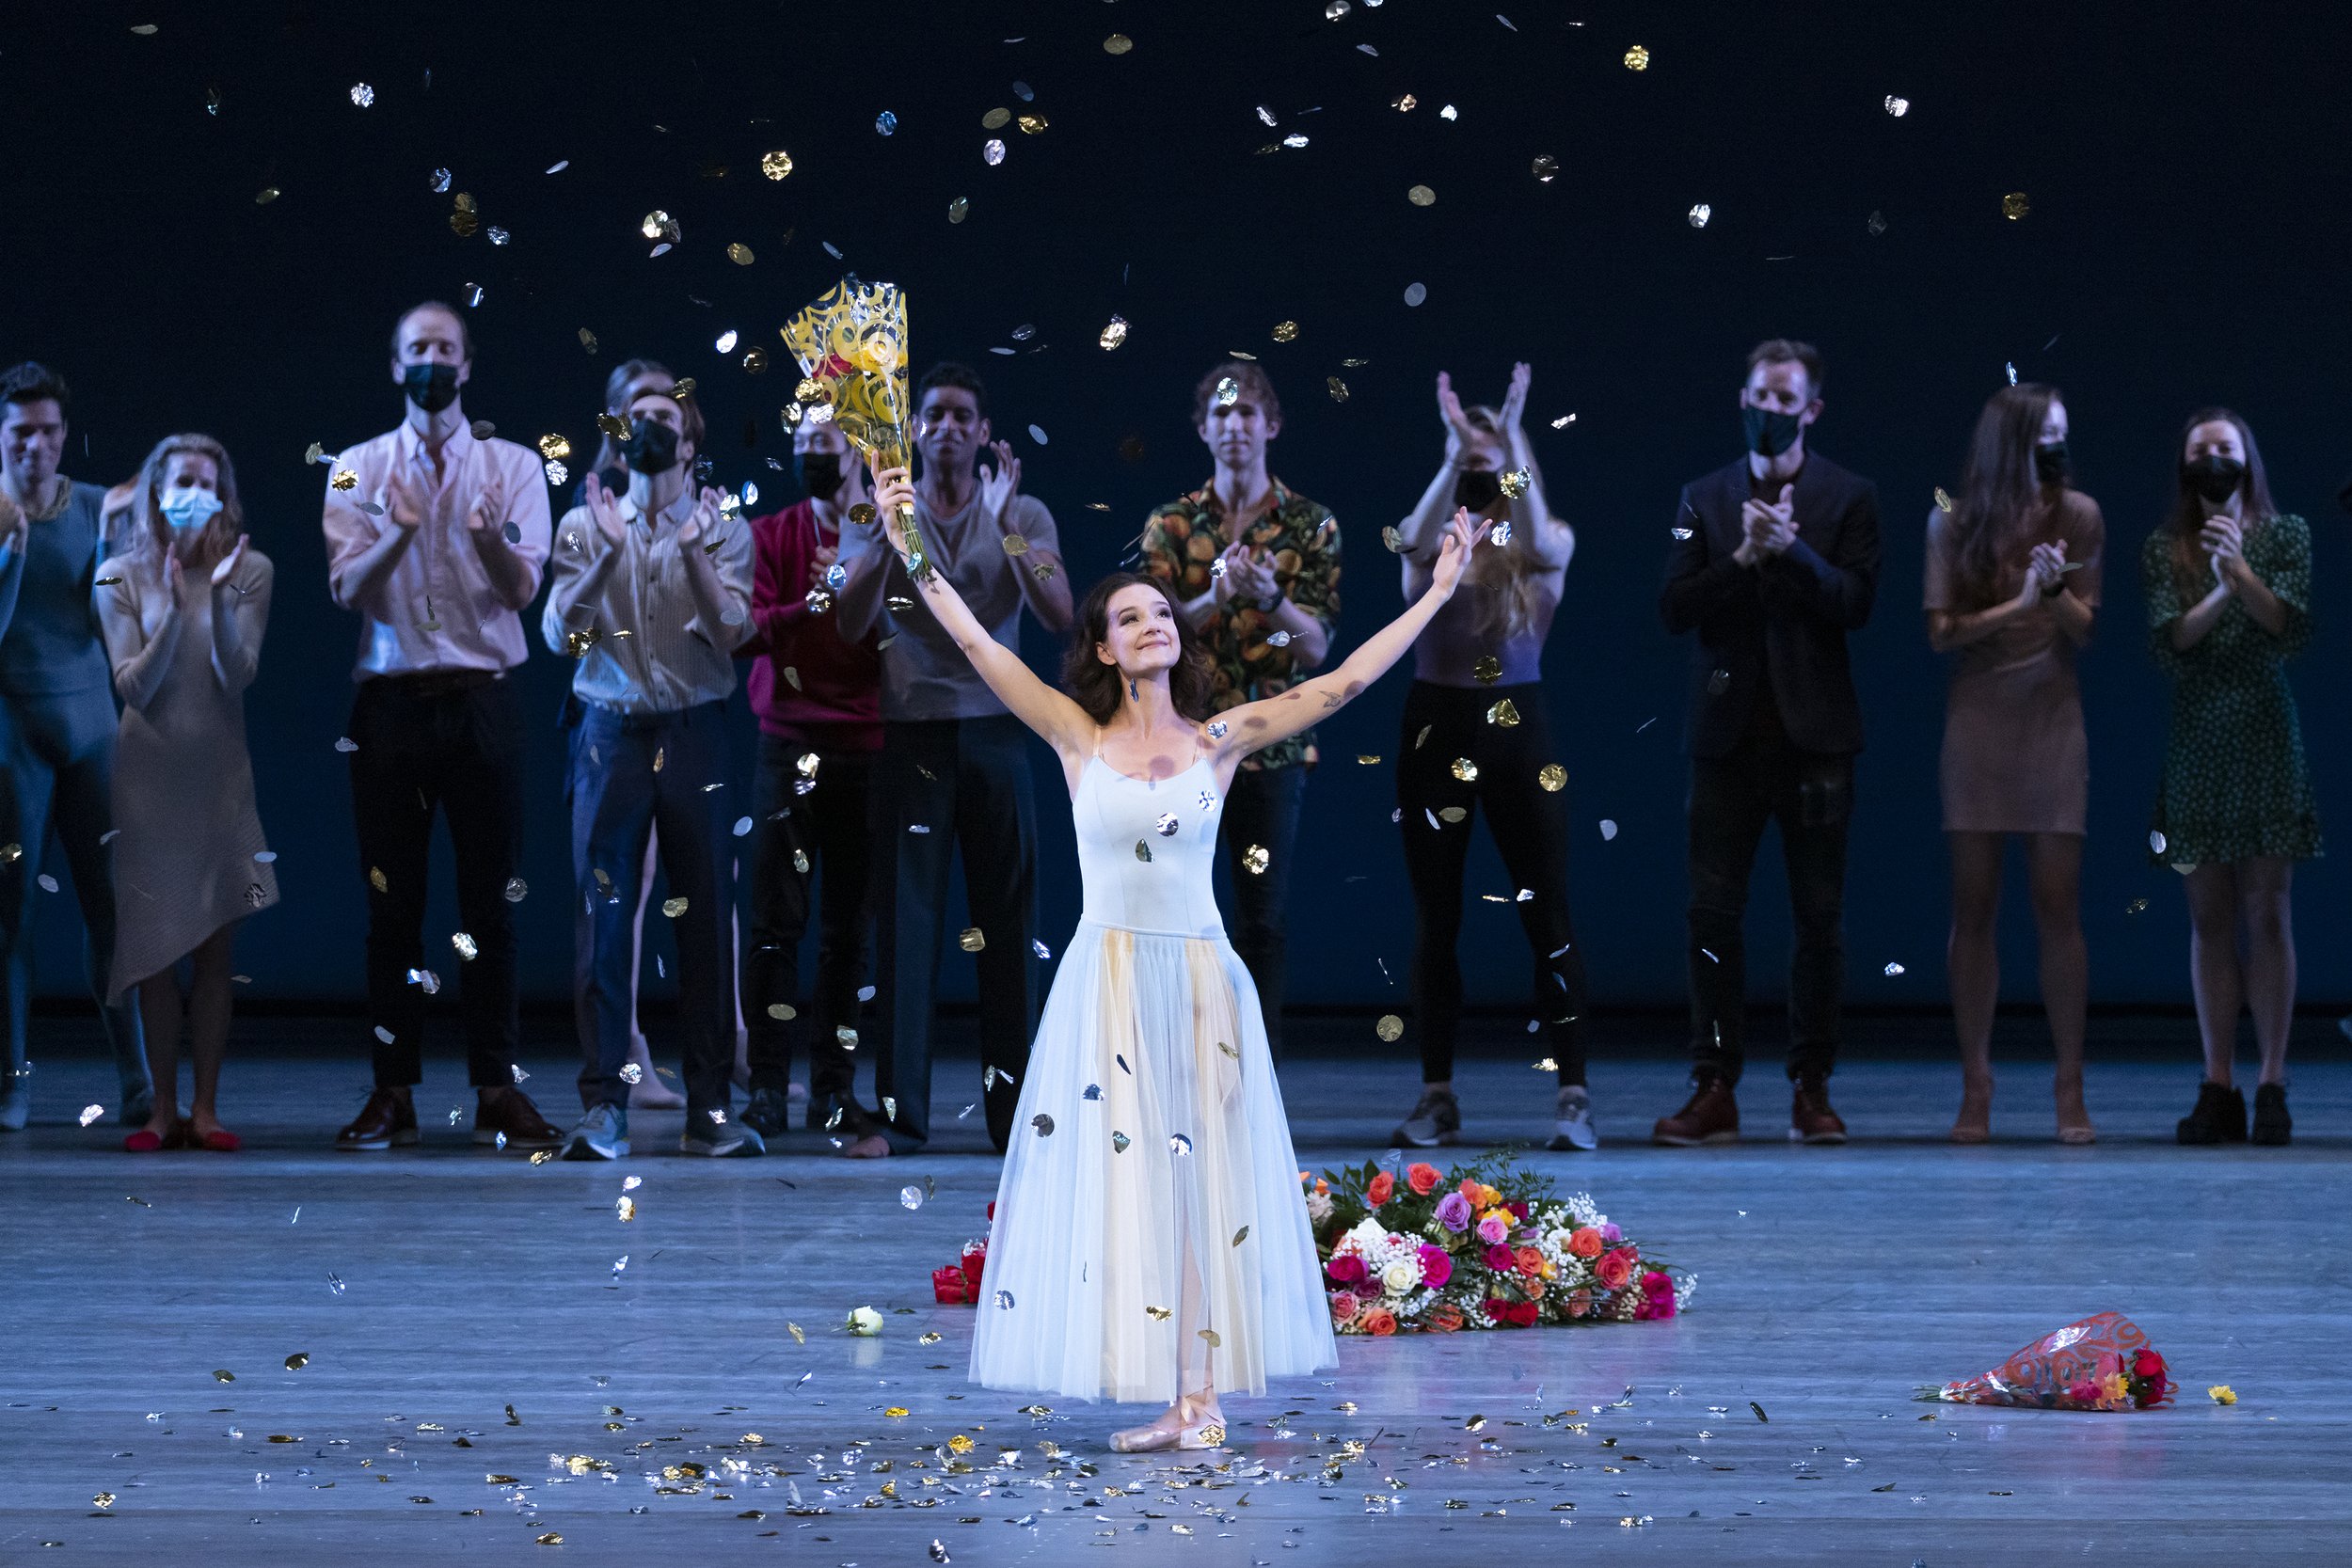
<point>1318,1207</point>
<point>1401,1276</point>
<point>864,1322</point>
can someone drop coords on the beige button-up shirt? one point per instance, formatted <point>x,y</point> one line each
<point>627,613</point>
<point>437,610</point>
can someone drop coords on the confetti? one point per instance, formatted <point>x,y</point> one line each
<point>1546,169</point>
<point>1892,970</point>
<point>1465,769</point>
<point>91,1112</point>
<point>267,195</point>
<point>516,890</point>
<point>1118,43</point>
<point>299,1360</point>
<point>1179,1144</point>
<point>1422,196</point>
<point>1228,392</point>
<point>1504,714</point>
<point>911,1197</point>
<point>1637,58</point>
<point>991,151</point>
<point>630,1073</point>
<point>1285,332</point>
<point>1004,1301</point>
<point>971,940</point>
<point>1700,213</point>
<point>1416,292</point>
<point>957,209</point>
<point>1898,106</point>
<point>1608,829</point>
<point>776,164</point>
<point>1390,1029</point>
<point>1942,499</point>
<point>864,1321</point>
<point>2137,906</point>
<point>1877,224</point>
<point>1337,388</point>
<point>2156,842</point>
<point>2015,205</point>
<point>1336,9</point>
<point>1254,860</point>
<point>885,122</point>
<point>1119,1142</point>
<point>674,907</point>
<point>362,95</point>
<point>1113,335</point>
<point>1037,434</point>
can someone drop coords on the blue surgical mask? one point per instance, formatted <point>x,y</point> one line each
<point>189,508</point>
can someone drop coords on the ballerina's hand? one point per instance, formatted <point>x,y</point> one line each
<point>1454,551</point>
<point>894,499</point>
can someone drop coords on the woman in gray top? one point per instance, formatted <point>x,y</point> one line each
<point>1475,734</point>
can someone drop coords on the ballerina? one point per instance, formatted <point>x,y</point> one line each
<point>1149,1245</point>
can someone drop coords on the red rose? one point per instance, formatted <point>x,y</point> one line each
<point>1422,1177</point>
<point>1519,1210</point>
<point>1655,1285</point>
<point>1520,1314</point>
<point>1347,1269</point>
<point>2147,1364</point>
<point>1382,1186</point>
<point>1614,1269</point>
<point>1496,1308</point>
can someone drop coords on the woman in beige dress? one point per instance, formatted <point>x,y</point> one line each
<point>2012,586</point>
<point>183,609</point>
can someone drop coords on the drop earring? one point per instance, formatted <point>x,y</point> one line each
<point>1132,695</point>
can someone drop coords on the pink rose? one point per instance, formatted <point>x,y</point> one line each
<point>1494,1229</point>
<point>1655,1285</point>
<point>1499,1259</point>
<point>1436,1265</point>
<point>1344,1308</point>
<point>1611,1235</point>
<point>1347,1269</point>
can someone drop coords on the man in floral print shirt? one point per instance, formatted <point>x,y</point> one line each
<point>1255,567</point>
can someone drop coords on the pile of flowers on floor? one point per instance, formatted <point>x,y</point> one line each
<point>1482,1245</point>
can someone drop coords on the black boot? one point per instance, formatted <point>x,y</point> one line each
<point>2218,1118</point>
<point>2272,1125</point>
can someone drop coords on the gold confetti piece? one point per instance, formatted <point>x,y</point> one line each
<point>1254,860</point>
<point>1637,58</point>
<point>1143,851</point>
<point>1453,814</point>
<point>740,253</point>
<point>776,164</point>
<point>1337,388</point>
<point>1465,769</point>
<point>1390,1029</point>
<point>674,907</point>
<point>552,1538</point>
<point>295,1362</point>
<point>1160,1314</point>
<point>1393,539</point>
<point>587,340</point>
<point>542,1156</point>
<point>555,447</point>
<point>613,425</point>
<point>1486,671</point>
<point>221,1375</point>
<point>2015,205</point>
<point>627,1208</point>
<point>971,940</point>
<point>1515,484</point>
<point>1016,545</point>
<point>1242,1235</point>
<point>1504,714</point>
<point>1210,1335</point>
<point>658,223</point>
<point>1031,124</point>
<point>376,880</point>
<point>995,120</point>
<point>960,1444</point>
<point>895,1412</point>
<point>798,1337</point>
<point>1118,43</point>
<point>1368,759</point>
<point>1545,1064</point>
<point>104,1499</point>
<point>1942,499</point>
<point>1113,335</point>
<point>1285,332</point>
<point>1421,196</point>
<point>344,480</point>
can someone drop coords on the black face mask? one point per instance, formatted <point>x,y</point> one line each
<point>2212,476</point>
<point>820,473</point>
<point>2051,463</point>
<point>1770,433</point>
<point>431,388</point>
<point>651,447</point>
<point>1476,489</point>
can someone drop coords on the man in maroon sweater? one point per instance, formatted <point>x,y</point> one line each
<point>819,704</point>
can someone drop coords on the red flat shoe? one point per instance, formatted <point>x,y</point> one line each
<point>145,1141</point>
<point>220,1141</point>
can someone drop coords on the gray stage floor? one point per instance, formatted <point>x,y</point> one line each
<point>468,1334</point>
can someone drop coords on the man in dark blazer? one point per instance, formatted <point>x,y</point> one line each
<point>1775,560</point>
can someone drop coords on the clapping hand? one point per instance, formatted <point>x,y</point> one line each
<point>702,522</point>
<point>1767,528</point>
<point>1459,432</point>
<point>226,567</point>
<point>1515,401</point>
<point>1247,574</point>
<point>14,530</point>
<point>1453,551</point>
<point>2045,571</point>
<point>1000,485</point>
<point>604,510</point>
<point>488,511</point>
<point>2224,540</point>
<point>399,502</point>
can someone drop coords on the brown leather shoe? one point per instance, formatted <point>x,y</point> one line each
<point>388,1118</point>
<point>511,1112</point>
<point>1810,1120</point>
<point>1711,1117</point>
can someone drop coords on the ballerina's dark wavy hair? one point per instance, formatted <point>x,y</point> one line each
<point>1094,684</point>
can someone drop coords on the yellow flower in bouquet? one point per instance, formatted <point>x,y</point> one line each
<point>852,345</point>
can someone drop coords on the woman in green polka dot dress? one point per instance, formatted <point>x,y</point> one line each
<point>2228,584</point>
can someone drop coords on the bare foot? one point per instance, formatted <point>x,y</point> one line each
<point>871,1147</point>
<point>649,1093</point>
<point>1974,1125</point>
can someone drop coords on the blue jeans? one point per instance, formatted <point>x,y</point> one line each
<point>56,767</point>
<point>1261,809</point>
<point>630,773</point>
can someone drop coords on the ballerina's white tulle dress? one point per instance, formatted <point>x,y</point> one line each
<point>1150,1238</point>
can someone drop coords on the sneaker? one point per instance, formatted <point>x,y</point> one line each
<point>2272,1125</point>
<point>720,1137</point>
<point>1572,1123</point>
<point>1711,1115</point>
<point>2218,1118</point>
<point>1810,1120</point>
<point>389,1119</point>
<point>1437,1119</point>
<point>601,1134</point>
<point>766,1112</point>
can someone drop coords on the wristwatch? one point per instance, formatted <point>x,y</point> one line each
<point>1271,603</point>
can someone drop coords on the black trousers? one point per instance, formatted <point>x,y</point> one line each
<point>941,786</point>
<point>449,743</point>
<point>1810,794</point>
<point>797,838</point>
<point>1261,809</point>
<point>1530,827</point>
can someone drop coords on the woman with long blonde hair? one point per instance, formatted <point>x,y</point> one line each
<point>183,609</point>
<point>1475,734</point>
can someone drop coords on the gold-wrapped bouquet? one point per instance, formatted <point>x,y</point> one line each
<point>852,345</point>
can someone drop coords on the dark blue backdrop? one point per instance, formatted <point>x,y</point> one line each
<point>2182,247</point>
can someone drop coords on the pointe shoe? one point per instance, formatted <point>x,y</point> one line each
<point>1151,1439</point>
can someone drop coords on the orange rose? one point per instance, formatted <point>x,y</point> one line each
<point>1585,1243</point>
<point>1422,1177</point>
<point>1580,1303</point>
<point>1531,1262</point>
<point>1532,1289</point>
<point>1379,1323</point>
<point>1383,1187</point>
<point>1444,1318</point>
